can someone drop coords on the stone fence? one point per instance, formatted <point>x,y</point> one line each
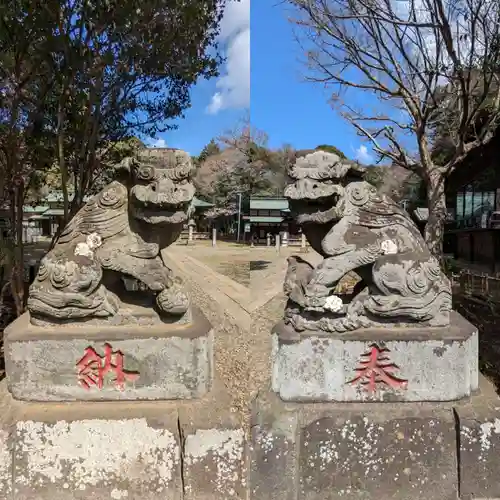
<point>196,235</point>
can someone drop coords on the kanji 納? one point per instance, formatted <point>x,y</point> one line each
<point>92,368</point>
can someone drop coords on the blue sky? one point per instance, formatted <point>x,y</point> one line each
<point>271,85</point>
<point>218,105</point>
<point>289,109</point>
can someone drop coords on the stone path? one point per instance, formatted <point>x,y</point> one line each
<point>266,268</point>
<point>242,316</point>
<point>231,297</point>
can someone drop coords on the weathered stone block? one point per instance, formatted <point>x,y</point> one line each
<point>65,362</point>
<point>76,451</point>
<point>354,451</point>
<point>479,423</point>
<point>274,454</point>
<point>6,445</point>
<point>432,364</point>
<point>215,450</point>
<point>379,453</point>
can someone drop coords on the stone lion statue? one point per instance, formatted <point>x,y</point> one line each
<point>119,235</point>
<point>355,228</point>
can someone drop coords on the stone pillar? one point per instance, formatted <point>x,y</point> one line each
<point>285,239</point>
<point>191,226</point>
<point>303,243</point>
<point>268,242</point>
<point>214,237</point>
<point>278,243</point>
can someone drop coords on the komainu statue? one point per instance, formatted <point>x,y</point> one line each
<point>355,228</point>
<point>118,236</point>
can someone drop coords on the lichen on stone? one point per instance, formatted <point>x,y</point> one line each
<point>225,449</point>
<point>89,453</point>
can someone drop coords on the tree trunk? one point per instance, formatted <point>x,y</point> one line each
<point>16,210</point>
<point>17,271</point>
<point>62,159</point>
<point>436,202</point>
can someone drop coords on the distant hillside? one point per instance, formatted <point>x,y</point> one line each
<point>390,180</point>
<point>222,174</point>
<point>214,166</point>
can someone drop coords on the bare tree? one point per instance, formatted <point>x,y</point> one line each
<point>430,63</point>
<point>251,171</point>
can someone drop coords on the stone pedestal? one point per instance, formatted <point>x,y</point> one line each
<point>353,451</point>
<point>215,448</point>
<point>372,451</point>
<point>82,362</point>
<point>284,242</point>
<point>420,364</point>
<point>478,422</point>
<point>123,450</point>
<point>303,243</point>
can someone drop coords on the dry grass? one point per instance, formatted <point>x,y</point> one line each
<point>231,262</point>
<point>233,265</point>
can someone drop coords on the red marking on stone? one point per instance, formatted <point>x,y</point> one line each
<point>92,368</point>
<point>376,369</point>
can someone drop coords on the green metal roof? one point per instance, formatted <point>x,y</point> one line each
<point>39,209</point>
<point>57,197</point>
<point>201,204</point>
<point>268,204</point>
<point>54,211</point>
<point>38,217</point>
<point>263,218</point>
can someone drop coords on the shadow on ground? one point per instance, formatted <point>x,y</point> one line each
<point>259,265</point>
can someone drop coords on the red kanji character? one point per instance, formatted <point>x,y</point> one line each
<point>375,369</point>
<point>92,368</point>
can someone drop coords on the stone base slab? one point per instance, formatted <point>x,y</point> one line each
<point>479,451</point>
<point>432,364</point>
<point>215,450</point>
<point>369,451</point>
<point>158,450</point>
<point>198,450</point>
<point>100,363</point>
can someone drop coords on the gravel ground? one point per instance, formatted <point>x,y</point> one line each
<point>233,265</point>
<point>242,356</point>
<point>263,320</point>
<point>235,351</point>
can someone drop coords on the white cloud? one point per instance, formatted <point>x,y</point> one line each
<point>233,87</point>
<point>363,155</point>
<point>158,143</point>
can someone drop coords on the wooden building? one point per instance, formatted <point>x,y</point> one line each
<point>473,192</point>
<point>268,215</point>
